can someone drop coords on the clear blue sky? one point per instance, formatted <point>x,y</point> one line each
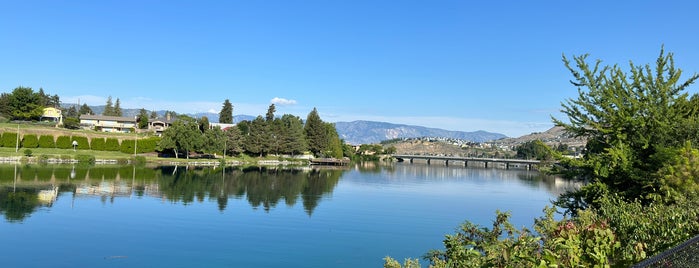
<point>457,65</point>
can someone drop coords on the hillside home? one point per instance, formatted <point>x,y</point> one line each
<point>108,123</point>
<point>122,124</point>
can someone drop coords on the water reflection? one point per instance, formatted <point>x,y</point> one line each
<point>23,189</point>
<point>406,172</point>
<point>26,188</point>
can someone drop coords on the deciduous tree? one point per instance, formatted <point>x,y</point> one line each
<point>628,118</point>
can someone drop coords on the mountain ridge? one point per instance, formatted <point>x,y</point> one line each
<point>358,131</point>
<point>365,132</point>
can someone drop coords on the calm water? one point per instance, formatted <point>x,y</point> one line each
<point>111,216</point>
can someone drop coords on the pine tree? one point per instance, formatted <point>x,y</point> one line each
<point>143,119</point>
<point>117,108</point>
<point>270,112</point>
<point>316,134</point>
<point>84,109</point>
<point>226,114</point>
<point>153,115</point>
<point>109,107</point>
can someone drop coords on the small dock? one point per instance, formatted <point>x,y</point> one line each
<point>330,161</point>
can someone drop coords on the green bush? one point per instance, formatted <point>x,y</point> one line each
<point>147,145</point>
<point>64,142</point>
<point>43,158</point>
<point>112,144</point>
<point>9,139</point>
<point>86,159</point>
<point>83,144</point>
<point>27,153</point>
<point>127,146</point>
<point>97,144</point>
<point>139,160</point>
<point>30,141</point>
<point>46,141</point>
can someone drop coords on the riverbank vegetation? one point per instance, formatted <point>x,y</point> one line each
<point>270,136</point>
<point>641,163</point>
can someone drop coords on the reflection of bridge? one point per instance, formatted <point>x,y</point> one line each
<point>465,160</point>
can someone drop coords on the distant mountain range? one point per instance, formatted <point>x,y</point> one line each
<point>365,132</point>
<point>356,132</point>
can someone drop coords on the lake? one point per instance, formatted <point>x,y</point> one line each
<point>116,216</point>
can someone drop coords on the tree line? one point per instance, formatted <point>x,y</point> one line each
<point>268,135</point>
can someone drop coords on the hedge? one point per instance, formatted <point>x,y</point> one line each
<point>112,144</point>
<point>127,146</point>
<point>9,139</point>
<point>98,144</point>
<point>63,142</point>
<point>47,141</point>
<point>83,144</point>
<point>147,145</point>
<point>30,141</point>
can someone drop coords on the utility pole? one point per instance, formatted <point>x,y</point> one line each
<point>17,143</point>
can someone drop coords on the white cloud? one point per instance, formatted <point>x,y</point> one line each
<point>282,101</point>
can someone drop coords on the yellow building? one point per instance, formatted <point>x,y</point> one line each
<point>53,114</point>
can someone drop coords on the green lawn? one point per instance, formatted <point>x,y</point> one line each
<point>5,152</point>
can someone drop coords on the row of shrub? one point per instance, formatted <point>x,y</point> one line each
<point>9,139</point>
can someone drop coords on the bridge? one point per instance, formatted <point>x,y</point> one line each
<point>466,160</point>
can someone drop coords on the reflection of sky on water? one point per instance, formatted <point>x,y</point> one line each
<point>258,218</point>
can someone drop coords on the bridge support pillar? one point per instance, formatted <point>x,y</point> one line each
<point>486,164</point>
<point>428,161</point>
<point>411,160</point>
<point>507,165</point>
<point>446,163</point>
<point>465,163</point>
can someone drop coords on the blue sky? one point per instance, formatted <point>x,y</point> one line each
<point>457,65</point>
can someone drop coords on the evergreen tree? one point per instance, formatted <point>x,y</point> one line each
<point>117,108</point>
<point>270,112</point>
<point>226,114</point>
<point>153,115</point>
<point>234,141</point>
<point>334,148</point>
<point>84,109</point>
<point>316,133</point>
<point>257,141</point>
<point>203,124</point>
<point>142,119</point>
<point>214,140</point>
<point>292,136</point>
<point>109,107</point>
<point>70,112</point>
<point>22,104</point>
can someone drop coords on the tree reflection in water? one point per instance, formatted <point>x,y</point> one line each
<point>21,188</point>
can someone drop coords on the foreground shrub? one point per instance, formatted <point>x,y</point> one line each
<point>651,229</point>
